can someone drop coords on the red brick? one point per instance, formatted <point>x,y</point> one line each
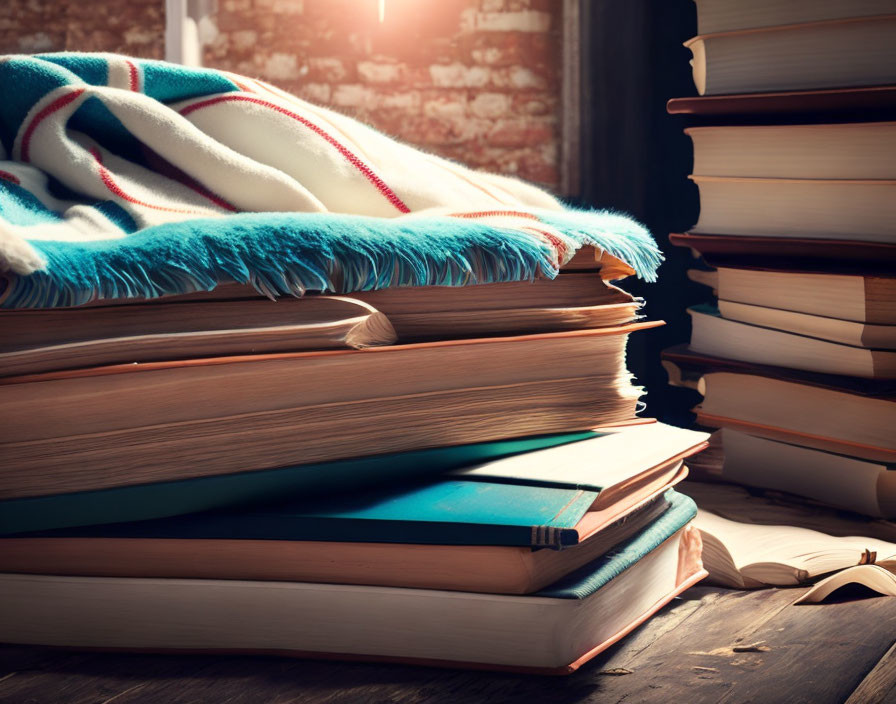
<point>522,133</point>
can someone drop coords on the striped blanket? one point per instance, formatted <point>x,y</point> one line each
<point>124,177</point>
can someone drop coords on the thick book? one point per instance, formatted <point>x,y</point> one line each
<point>860,298</point>
<point>590,609</point>
<point>835,209</point>
<point>844,151</point>
<point>790,253</point>
<point>715,335</point>
<point>843,332</point>
<point>554,497</point>
<point>801,414</point>
<point>837,480</point>
<point>729,15</point>
<point>82,429</point>
<point>239,321</point>
<point>141,502</point>
<point>796,56</point>
<point>744,555</point>
<point>498,569</point>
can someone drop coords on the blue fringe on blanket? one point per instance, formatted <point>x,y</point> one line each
<point>290,253</point>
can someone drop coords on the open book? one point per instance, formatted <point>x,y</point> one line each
<point>767,539</point>
<point>743,555</point>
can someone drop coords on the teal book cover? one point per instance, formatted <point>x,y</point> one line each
<point>159,500</point>
<point>586,580</point>
<point>451,511</point>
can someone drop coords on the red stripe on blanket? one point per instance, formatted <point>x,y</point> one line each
<point>57,104</point>
<point>109,182</point>
<point>495,213</point>
<point>12,178</point>
<point>553,239</point>
<point>353,159</point>
<point>134,76</point>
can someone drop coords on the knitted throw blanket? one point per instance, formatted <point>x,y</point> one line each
<point>123,177</point>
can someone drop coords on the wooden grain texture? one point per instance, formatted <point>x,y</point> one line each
<point>879,686</point>
<point>821,654</point>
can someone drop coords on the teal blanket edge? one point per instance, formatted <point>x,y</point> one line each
<point>291,253</point>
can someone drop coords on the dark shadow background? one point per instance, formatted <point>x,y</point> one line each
<point>636,158</point>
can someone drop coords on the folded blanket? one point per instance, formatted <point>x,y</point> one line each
<point>124,177</point>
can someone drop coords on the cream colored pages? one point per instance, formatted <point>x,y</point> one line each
<point>875,577</point>
<point>601,462</point>
<point>780,555</point>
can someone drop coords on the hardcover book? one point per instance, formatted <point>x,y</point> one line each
<point>721,337</point>
<point>552,497</point>
<point>81,430</point>
<point>593,608</point>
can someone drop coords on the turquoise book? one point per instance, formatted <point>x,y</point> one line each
<point>172,498</point>
<point>448,512</point>
<point>552,497</point>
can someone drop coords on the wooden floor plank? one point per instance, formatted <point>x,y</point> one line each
<point>879,685</point>
<point>816,654</point>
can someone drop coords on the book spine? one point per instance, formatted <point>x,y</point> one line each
<point>552,537</point>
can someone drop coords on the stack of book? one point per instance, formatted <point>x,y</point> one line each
<point>439,475</point>
<point>797,361</point>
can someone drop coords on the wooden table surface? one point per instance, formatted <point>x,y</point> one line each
<point>710,646</point>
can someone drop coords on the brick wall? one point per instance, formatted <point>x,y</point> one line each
<point>135,27</point>
<point>473,80</point>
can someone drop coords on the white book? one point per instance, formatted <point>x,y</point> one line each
<point>829,54</point>
<point>802,414</point>
<point>553,631</point>
<point>845,332</point>
<point>864,211</point>
<point>850,483</point>
<point>865,299</point>
<point>863,151</point>
<point>713,335</point>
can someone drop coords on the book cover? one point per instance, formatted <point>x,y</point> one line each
<point>536,499</point>
<point>171,498</point>
<point>595,606</point>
